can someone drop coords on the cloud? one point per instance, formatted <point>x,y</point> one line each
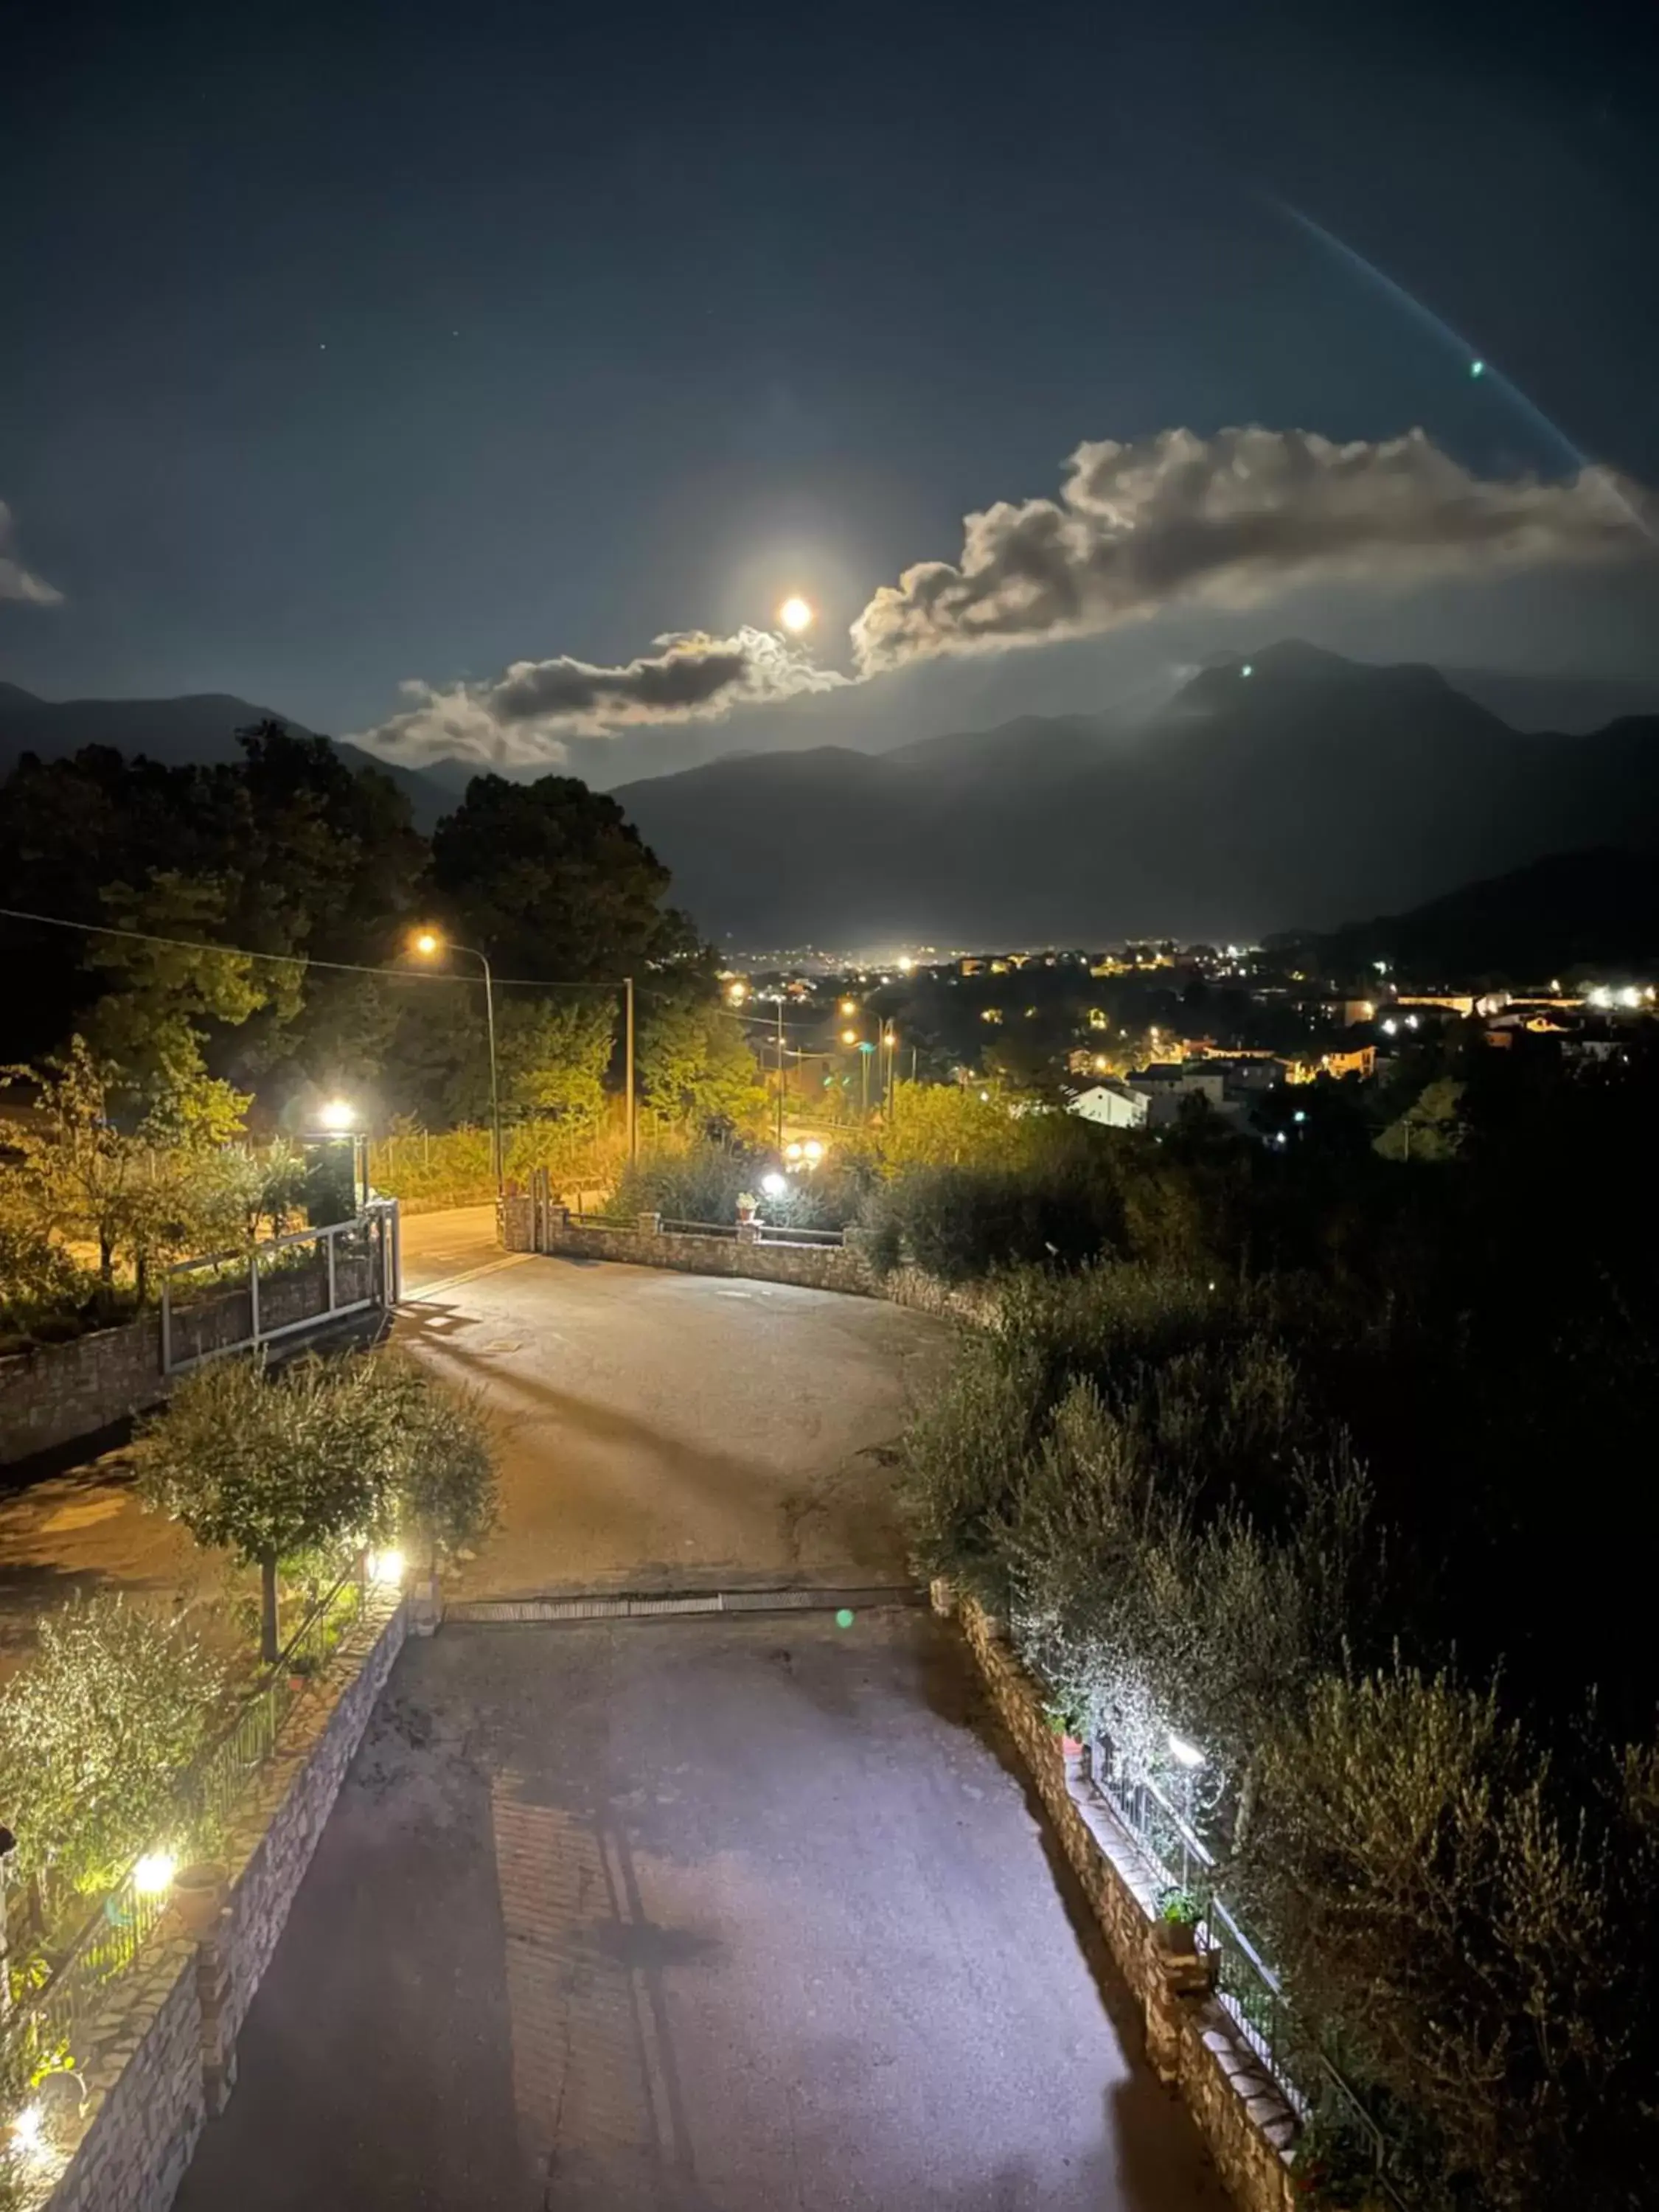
<point>1228,521</point>
<point>16,580</point>
<point>528,712</point>
<point>1174,521</point>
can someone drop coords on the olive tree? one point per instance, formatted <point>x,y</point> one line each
<point>269,1464</point>
<point>94,1731</point>
<point>443,1493</point>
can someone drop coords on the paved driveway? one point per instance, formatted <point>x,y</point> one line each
<point>716,1914</point>
<point>663,1429</point>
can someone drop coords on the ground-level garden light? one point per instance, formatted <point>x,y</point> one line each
<point>152,1877</point>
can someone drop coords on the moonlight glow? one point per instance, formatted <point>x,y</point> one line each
<point>796,615</point>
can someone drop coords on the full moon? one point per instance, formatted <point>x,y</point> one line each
<point>795,615</point>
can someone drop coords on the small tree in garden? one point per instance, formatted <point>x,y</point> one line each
<point>445,1488</point>
<point>267,1465</point>
<point>94,1731</point>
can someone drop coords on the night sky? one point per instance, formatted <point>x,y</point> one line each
<point>350,346</point>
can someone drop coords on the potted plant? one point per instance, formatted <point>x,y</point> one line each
<point>748,1205</point>
<point>1187,1968</point>
<point>1066,1722</point>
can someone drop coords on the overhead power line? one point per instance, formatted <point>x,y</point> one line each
<point>301,959</point>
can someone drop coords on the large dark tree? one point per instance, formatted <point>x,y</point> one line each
<point>551,879</point>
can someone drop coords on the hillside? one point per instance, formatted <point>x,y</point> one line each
<point>1307,790</point>
<point>200,726</point>
<point>1598,908</point>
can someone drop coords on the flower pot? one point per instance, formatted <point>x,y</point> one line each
<point>199,1896</point>
<point>1074,1753</point>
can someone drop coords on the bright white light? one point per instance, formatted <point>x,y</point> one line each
<point>905,964</point>
<point>796,615</point>
<point>1411,1021</point>
<point>1184,1754</point>
<point>336,1114</point>
<point>154,1873</point>
<point>793,1152</point>
<point>775,1185</point>
<point>1247,670</point>
<point>1601,996</point>
<point>26,2128</point>
<point>984,1095</point>
<point>1629,996</point>
<point>1390,1027</point>
<point>386,1567</point>
<point>813,1149</point>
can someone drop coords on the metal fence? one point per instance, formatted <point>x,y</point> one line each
<point>239,1301</point>
<point>1311,2081</point>
<point>55,2026</point>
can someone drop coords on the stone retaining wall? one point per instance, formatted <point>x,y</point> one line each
<point>165,2058</point>
<point>54,1392</point>
<point>815,1267</point>
<point>1193,2040</point>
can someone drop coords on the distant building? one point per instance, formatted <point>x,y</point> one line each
<point>1361,1062</point>
<point>1167,1085</point>
<point>1114,1105</point>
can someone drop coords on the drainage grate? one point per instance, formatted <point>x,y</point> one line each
<point>625,1606</point>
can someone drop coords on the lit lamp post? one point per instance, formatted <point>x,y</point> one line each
<point>429,945</point>
<point>336,1121</point>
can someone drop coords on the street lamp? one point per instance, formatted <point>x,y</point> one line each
<point>429,945</point>
<point>336,1115</point>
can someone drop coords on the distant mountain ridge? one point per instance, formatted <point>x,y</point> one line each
<point>197,727</point>
<point>1295,788</point>
<point>1597,909</point>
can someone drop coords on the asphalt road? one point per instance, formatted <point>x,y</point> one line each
<point>664,1431</point>
<point>714,1914</point>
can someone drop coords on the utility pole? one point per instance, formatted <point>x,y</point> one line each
<point>628,1072</point>
<point>779,1074</point>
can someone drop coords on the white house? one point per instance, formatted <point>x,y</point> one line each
<point>1112,1105</point>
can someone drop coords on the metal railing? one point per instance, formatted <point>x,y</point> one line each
<point>54,2027</point>
<point>355,1267</point>
<point>1312,2082</point>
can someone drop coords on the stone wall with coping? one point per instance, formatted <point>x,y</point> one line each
<point>162,2057</point>
<point>54,1392</point>
<point>1194,2042</point>
<point>814,1267</point>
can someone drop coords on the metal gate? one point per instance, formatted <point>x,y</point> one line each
<point>240,1301</point>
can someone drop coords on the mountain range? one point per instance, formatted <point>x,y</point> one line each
<point>199,726</point>
<point>1296,790</point>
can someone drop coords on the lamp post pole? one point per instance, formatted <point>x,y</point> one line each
<point>429,943</point>
<point>494,1080</point>
<point>627,1072</point>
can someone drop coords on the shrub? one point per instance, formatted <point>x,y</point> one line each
<point>93,1732</point>
<point>444,1493</point>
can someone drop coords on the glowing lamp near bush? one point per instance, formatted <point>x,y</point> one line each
<point>386,1568</point>
<point>775,1185</point>
<point>153,1875</point>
